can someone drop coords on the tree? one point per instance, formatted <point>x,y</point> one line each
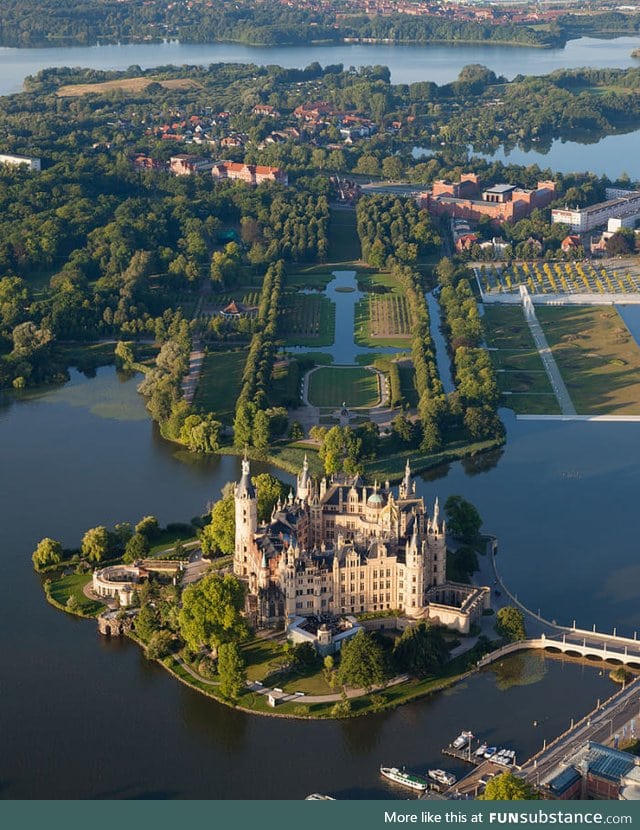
<point>421,651</point>
<point>507,787</point>
<point>148,527</point>
<point>146,621</point>
<point>269,490</point>
<point>219,536</point>
<point>136,548</point>
<point>510,623</point>
<point>160,645</point>
<point>231,671</point>
<point>95,544</point>
<point>463,519</point>
<point>125,357</point>
<point>48,552</point>
<point>362,662</point>
<point>211,612</point>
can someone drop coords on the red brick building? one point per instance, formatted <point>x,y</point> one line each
<point>253,174</point>
<point>466,199</point>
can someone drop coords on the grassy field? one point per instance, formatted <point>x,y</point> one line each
<point>598,359</point>
<point>330,386</point>
<point>307,320</point>
<point>130,85</point>
<point>61,589</point>
<point>382,317</point>
<point>284,389</point>
<point>521,376</point>
<point>220,383</point>
<point>344,244</point>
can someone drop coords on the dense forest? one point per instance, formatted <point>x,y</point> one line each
<point>46,22</point>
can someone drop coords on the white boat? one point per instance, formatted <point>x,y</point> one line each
<point>462,740</point>
<point>481,750</point>
<point>407,779</point>
<point>491,751</point>
<point>319,797</point>
<point>442,777</point>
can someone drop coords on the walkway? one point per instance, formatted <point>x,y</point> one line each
<point>548,360</point>
<point>284,697</point>
<point>191,379</point>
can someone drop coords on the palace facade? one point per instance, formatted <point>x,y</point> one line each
<point>339,547</point>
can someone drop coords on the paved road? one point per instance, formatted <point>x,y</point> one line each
<point>600,726</point>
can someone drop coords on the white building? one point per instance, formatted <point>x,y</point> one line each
<point>582,220</point>
<point>16,161</point>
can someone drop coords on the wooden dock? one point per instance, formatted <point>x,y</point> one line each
<point>467,755</point>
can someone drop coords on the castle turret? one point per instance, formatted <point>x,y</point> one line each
<point>246,504</point>
<point>405,486</point>
<point>303,490</point>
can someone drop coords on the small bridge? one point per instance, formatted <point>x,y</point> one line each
<point>592,646</point>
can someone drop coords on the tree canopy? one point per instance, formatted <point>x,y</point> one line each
<point>211,612</point>
<point>508,787</point>
<point>362,662</point>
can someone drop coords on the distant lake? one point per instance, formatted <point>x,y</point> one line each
<point>611,156</point>
<point>430,62</point>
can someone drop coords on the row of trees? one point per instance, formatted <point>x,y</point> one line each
<point>476,384</point>
<point>256,423</point>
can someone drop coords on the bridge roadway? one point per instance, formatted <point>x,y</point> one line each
<point>576,643</point>
<point>599,726</point>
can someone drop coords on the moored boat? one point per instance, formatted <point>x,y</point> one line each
<point>407,779</point>
<point>462,740</point>
<point>481,750</point>
<point>442,777</point>
<point>319,797</point>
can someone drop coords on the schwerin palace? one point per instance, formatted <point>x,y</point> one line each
<point>339,547</point>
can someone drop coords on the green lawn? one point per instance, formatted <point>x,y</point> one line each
<point>167,539</point>
<point>598,358</point>
<point>61,589</point>
<point>220,383</point>
<point>344,244</point>
<point>284,389</point>
<point>330,386</point>
<point>506,328</point>
<point>519,369</point>
<point>528,404</point>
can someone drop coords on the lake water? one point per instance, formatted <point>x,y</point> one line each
<point>611,156</point>
<point>105,723</point>
<point>432,62</point>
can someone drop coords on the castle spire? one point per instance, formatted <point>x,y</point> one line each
<point>405,487</point>
<point>245,487</point>
<point>436,514</point>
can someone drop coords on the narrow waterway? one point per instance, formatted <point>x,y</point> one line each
<point>443,361</point>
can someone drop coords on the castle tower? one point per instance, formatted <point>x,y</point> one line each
<point>246,503</point>
<point>303,490</point>
<point>415,573</point>
<point>405,486</point>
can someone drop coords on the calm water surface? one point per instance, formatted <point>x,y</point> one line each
<point>433,62</point>
<point>87,718</point>
<point>610,156</point>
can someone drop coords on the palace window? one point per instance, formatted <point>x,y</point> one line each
<point>388,571</point>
